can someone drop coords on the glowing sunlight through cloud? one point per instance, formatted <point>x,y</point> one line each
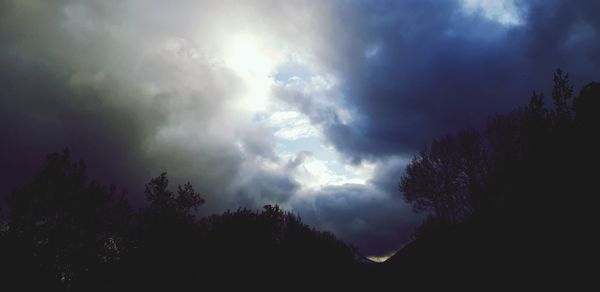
<point>254,62</point>
<point>255,59</point>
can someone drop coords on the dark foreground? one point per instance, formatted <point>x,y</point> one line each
<point>510,205</point>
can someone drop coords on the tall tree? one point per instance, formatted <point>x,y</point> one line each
<point>65,227</point>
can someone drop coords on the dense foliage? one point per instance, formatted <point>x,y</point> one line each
<point>63,232</point>
<point>513,198</point>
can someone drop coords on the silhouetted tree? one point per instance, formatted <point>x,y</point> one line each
<point>562,95</point>
<point>447,177</point>
<point>63,230</point>
<point>530,187</point>
<point>166,235</point>
<point>162,202</point>
<point>64,233</point>
<point>523,162</point>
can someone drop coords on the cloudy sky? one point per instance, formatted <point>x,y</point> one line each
<point>313,105</point>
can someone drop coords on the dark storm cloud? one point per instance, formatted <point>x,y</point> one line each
<point>41,113</point>
<point>437,69</point>
<point>372,217</point>
<point>387,174</point>
<point>267,187</point>
<point>414,70</point>
<point>362,215</point>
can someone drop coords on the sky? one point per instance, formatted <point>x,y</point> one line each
<point>313,105</point>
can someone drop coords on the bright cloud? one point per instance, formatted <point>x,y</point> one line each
<point>291,125</point>
<point>505,12</point>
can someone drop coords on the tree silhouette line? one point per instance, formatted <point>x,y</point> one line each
<point>512,197</point>
<point>63,232</point>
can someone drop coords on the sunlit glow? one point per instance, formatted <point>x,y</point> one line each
<point>250,58</point>
<point>246,54</point>
<point>381,259</point>
<point>255,59</point>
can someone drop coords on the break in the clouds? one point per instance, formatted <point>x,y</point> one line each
<point>313,105</point>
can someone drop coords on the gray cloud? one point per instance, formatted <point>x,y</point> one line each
<point>134,88</point>
<point>362,215</point>
<point>114,85</point>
